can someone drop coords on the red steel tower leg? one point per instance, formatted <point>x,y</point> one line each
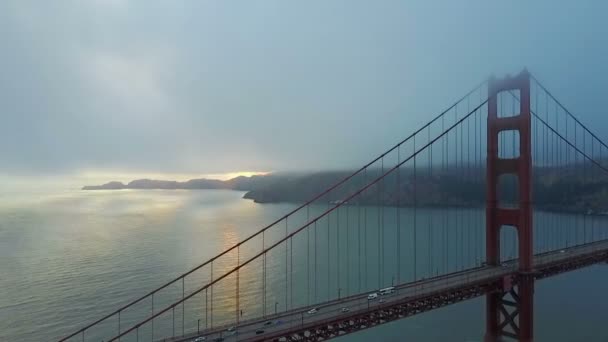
<point>500,321</point>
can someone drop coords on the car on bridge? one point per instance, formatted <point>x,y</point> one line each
<point>387,291</point>
<point>200,339</point>
<point>313,311</point>
<point>372,296</point>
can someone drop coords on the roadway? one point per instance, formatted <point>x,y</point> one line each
<point>246,330</point>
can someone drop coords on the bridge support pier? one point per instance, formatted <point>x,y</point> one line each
<point>526,308</point>
<point>509,313</point>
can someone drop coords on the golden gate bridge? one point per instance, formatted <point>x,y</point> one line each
<point>511,152</point>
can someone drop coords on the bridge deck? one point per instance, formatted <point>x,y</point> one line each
<point>409,299</point>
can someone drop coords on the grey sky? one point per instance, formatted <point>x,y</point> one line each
<point>222,86</point>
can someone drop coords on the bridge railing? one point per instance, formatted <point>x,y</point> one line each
<point>340,187</point>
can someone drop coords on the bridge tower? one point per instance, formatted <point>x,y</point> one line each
<point>509,311</point>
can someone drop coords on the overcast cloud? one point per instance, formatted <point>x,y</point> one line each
<point>222,86</point>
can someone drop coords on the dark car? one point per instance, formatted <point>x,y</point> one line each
<point>259,331</point>
<point>268,323</point>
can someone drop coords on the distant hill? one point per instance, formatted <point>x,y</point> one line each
<point>239,183</point>
<point>565,189</point>
<point>561,189</point>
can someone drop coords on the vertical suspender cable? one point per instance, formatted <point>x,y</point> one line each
<point>184,306</point>
<point>429,213</point>
<point>567,166</point>
<point>315,267</point>
<point>365,276</point>
<point>211,309</point>
<point>536,157</point>
<point>473,181</point>
<point>328,257</point>
<point>286,264</point>
<point>237,286</point>
<point>378,247</point>
<point>347,250</point>
<point>415,182</point>
<point>398,194</point>
<point>308,256</point>
<point>291,272</point>
<point>593,184</point>
<point>584,184</point>
<point>264,276</point>
<point>461,211</point>
<point>383,197</point>
<point>456,209</point>
<point>359,238</point>
<point>468,181</point>
<point>444,212</point>
<point>338,248</point>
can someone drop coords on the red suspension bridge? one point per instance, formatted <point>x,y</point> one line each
<point>411,222</point>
